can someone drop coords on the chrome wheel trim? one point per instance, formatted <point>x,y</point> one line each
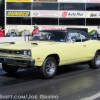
<point>97,60</point>
<point>50,67</point>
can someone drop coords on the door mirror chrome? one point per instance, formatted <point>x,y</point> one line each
<point>73,39</point>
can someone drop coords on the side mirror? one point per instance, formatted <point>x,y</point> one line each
<point>73,39</point>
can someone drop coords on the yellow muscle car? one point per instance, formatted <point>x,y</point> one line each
<point>49,49</point>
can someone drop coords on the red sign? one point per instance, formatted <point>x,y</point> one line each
<point>94,1</point>
<point>64,14</point>
<point>72,14</point>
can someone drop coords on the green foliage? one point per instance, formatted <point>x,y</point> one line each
<point>20,33</point>
<point>91,31</point>
<point>6,34</point>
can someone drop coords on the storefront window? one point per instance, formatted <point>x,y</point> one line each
<point>18,20</point>
<point>18,6</point>
<point>92,21</point>
<point>93,6</point>
<point>72,6</point>
<point>45,21</point>
<point>72,21</point>
<point>44,6</point>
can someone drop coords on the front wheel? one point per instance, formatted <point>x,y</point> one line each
<point>49,68</point>
<point>95,62</point>
<point>9,69</point>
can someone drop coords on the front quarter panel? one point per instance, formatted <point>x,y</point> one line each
<point>92,47</point>
<point>41,52</point>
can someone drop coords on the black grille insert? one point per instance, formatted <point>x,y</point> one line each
<point>19,52</point>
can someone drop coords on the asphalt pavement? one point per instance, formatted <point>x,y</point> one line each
<point>73,82</point>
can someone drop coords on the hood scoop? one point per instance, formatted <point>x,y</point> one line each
<point>8,42</point>
<point>34,43</point>
<point>11,42</point>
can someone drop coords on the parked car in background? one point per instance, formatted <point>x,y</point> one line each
<point>49,49</point>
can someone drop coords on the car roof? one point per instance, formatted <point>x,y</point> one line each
<point>64,30</point>
<point>54,30</point>
<point>67,31</point>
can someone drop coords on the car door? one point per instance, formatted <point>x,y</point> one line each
<point>76,49</point>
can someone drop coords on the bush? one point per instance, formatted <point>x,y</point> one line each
<point>20,33</point>
<point>92,31</point>
<point>6,35</point>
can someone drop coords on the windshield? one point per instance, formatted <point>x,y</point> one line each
<point>49,36</point>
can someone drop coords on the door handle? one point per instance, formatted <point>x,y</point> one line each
<point>84,45</point>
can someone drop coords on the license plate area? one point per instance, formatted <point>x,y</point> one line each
<point>10,61</point>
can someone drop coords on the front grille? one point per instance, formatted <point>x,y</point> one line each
<point>18,52</point>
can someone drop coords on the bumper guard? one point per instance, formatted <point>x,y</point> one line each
<point>17,62</point>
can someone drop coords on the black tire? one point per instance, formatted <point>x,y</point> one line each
<point>9,69</point>
<point>47,70</point>
<point>95,62</point>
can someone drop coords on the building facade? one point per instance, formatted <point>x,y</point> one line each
<point>52,14</point>
<point>2,18</point>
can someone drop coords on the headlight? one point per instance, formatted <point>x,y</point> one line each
<point>27,53</point>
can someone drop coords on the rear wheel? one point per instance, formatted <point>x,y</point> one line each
<point>95,62</point>
<point>9,68</point>
<point>49,67</point>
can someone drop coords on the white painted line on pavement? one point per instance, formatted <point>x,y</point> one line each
<point>92,97</point>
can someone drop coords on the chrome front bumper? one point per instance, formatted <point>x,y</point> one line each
<point>17,62</point>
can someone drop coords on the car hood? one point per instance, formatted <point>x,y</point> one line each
<point>25,45</point>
